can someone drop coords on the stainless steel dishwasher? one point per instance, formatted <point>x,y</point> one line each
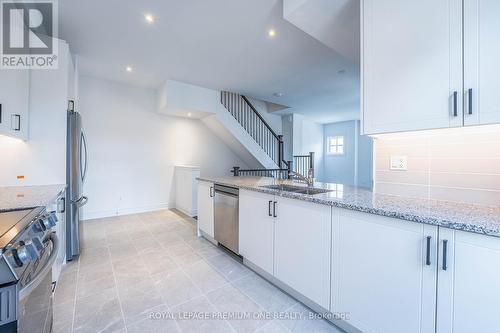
<point>226,217</point>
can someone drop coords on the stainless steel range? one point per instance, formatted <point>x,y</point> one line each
<point>28,248</point>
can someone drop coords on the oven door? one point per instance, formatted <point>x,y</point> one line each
<point>35,295</point>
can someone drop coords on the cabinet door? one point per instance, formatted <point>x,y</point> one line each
<point>14,98</point>
<point>302,248</point>
<point>411,65</point>
<point>206,208</point>
<point>380,274</point>
<point>469,288</point>
<point>256,236</point>
<point>481,61</point>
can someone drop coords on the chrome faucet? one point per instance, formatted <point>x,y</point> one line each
<point>309,180</point>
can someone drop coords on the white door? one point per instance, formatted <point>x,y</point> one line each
<point>469,288</point>
<point>14,100</point>
<point>481,61</point>
<point>411,65</point>
<point>206,208</point>
<point>302,248</point>
<point>383,276</point>
<point>256,235</point>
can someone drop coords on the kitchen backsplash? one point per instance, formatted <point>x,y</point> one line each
<point>461,165</point>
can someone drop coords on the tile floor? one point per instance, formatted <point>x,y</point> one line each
<point>150,272</point>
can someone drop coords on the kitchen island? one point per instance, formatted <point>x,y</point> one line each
<point>369,262</point>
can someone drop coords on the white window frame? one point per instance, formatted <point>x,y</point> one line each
<point>335,145</point>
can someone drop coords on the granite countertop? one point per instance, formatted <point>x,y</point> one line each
<point>466,217</point>
<point>24,197</point>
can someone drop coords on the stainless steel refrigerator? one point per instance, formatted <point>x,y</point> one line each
<point>76,170</point>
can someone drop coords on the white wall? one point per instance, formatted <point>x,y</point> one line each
<point>354,167</point>
<point>41,159</point>
<point>308,137</point>
<point>133,150</point>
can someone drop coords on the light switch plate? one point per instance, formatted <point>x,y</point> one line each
<point>399,163</point>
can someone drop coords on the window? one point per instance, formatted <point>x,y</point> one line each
<point>336,145</point>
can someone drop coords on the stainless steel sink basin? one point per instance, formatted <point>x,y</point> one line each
<point>297,189</point>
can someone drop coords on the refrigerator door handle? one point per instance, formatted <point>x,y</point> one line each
<point>84,145</point>
<point>81,202</point>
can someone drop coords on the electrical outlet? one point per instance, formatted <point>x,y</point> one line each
<point>399,163</point>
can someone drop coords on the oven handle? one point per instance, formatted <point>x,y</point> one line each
<point>27,289</point>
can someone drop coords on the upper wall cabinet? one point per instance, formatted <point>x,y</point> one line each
<point>423,69</point>
<point>411,65</point>
<point>14,102</point>
<point>481,61</point>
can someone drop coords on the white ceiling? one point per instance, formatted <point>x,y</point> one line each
<point>218,44</point>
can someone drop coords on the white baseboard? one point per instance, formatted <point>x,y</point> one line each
<point>125,211</point>
<point>192,212</point>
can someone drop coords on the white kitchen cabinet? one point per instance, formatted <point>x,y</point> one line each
<point>411,65</point>
<point>256,229</point>
<point>481,61</point>
<point>206,208</point>
<point>380,274</point>
<point>186,188</point>
<point>14,101</point>
<point>302,248</point>
<point>469,289</point>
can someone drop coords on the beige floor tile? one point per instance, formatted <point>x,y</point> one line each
<point>228,267</point>
<point>98,313</point>
<point>265,294</point>
<point>230,299</point>
<point>307,325</point>
<point>199,305</point>
<point>205,277</point>
<point>175,287</point>
<point>138,300</point>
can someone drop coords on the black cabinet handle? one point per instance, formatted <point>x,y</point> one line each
<point>470,101</point>
<point>274,209</point>
<point>428,254</point>
<point>445,254</point>
<point>455,104</point>
<point>269,208</point>
<point>0,113</point>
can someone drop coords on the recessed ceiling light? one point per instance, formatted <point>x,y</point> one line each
<point>149,18</point>
<point>278,94</point>
<point>129,69</point>
<point>189,114</point>
<point>271,33</point>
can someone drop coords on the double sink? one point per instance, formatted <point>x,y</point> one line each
<point>297,189</point>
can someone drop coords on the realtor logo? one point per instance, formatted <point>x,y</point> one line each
<point>28,34</point>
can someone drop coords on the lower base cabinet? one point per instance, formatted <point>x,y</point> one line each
<point>302,248</point>
<point>382,274</point>
<point>469,288</point>
<point>381,278</point>
<point>256,236</point>
<point>206,208</point>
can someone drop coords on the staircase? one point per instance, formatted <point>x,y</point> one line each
<point>271,143</point>
<point>234,119</point>
<point>247,116</point>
